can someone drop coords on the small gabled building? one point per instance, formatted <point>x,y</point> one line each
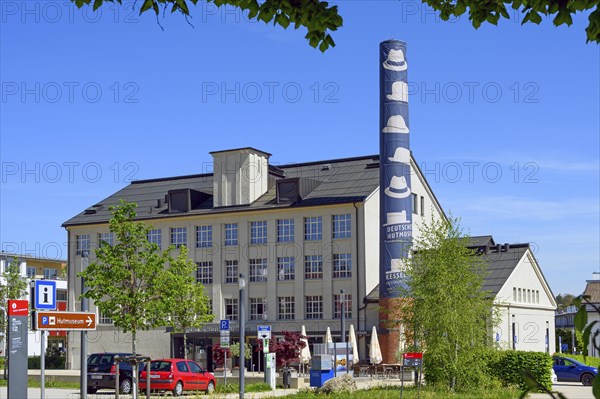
<point>523,300</point>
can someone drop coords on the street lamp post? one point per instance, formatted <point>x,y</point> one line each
<point>343,323</point>
<point>242,315</point>
<point>83,353</point>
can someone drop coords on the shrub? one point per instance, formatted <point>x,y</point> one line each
<point>258,387</point>
<point>227,388</point>
<point>509,367</point>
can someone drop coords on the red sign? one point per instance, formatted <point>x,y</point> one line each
<point>18,307</point>
<point>60,321</point>
<point>413,355</point>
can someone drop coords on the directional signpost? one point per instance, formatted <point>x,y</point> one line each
<point>61,321</point>
<point>224,327</point>
<point>44,296</point>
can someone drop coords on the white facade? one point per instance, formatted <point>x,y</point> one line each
<point>526,304</point>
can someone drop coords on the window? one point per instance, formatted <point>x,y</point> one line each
<point>106,237</point>
<point>342,265</point>
<point>314,307</point>
<point>194,368</point>
<point>528,296</point>
<point>61,295</point>
<point>155,237</point>
<point>258,270</point>
<point>258,232</point>
<point>285,308</point>
<point>286,268</point>
<point>182,366</point>
<point>415,201</point>
<point>313,228</point>
<point>104,319</point>
<point>31,271</point>
<point>422,206</point>
<point>231,234</point>
<point>210,306</point>
<point>285,230</point>
<point>203,236</point>
<point>83,244</point>
<point>50,273</point>
<point>179,236</point>
<point>231,271</point>
<point>313,267</point>
<point>537,296</point>
<point>337,306</point>
<point>258,307</point>
<point>342,226</point>
<point>231,309</point>
<point>514,294</point>
<point>204,272</point>
<point>520,298</point>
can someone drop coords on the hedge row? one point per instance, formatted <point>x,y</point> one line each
<point>509,367</point>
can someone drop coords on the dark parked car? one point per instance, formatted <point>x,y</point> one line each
<point>102,371</point>
<point>567,369</point>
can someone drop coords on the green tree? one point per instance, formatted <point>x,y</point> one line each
<point>189,305</point>
<point>316,16</point>
<point>129,281</point>
<point>563,301</point>
<point>533,10</point>
<point>448,308</point>
<point>14,288</point>
<point>320,19</point>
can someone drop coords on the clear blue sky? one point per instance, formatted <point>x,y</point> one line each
<point>504,120</point>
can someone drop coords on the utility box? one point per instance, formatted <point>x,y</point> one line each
<point>321,370</point>
<point>270,370</point>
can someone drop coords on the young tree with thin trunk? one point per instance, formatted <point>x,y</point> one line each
<point>449,312</point>
<point>130,280</point>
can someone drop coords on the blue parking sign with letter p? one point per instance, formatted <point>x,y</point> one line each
<point>224,325</point>
<point>45,320</point>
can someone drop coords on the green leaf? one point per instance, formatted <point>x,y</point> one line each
<point>146,6</point>
<point>596,387</point>
<point>581,318</point>
<point>282,20</point>
<point>97,4</point>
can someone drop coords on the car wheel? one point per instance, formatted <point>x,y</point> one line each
<point>92,390</point>
<point>125,386</point>
<point>587,379</point>
<point>178,390</point>
<point>211,388</point>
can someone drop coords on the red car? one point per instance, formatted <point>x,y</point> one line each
<point>177,375</point>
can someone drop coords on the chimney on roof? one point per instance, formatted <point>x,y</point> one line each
<point>506,247</point>
<point>240,176</point>
<point>498,247</point>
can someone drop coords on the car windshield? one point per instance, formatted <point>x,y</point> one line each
<point>160,366</point>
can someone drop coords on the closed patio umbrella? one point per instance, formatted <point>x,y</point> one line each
<point>375,350</point>
<point>352,340</point>
<point>305,353</point>
<point>328,339</point>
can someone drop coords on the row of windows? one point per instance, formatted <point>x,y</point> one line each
<point>49,273</point>
<point>313,230</point>
<point>416,203</point>
<point>286,307</point>
<point>286,269</point>
<point>524,295</point>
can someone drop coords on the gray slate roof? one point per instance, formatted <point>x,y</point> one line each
<point>346,180</point>
<point>500,265</point>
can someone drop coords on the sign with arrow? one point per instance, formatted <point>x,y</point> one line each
<point>65,321</point>
<point>264,332</point>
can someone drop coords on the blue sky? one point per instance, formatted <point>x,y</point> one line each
<point>504,120</point>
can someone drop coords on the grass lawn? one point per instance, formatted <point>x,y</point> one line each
<point>393,392</point>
